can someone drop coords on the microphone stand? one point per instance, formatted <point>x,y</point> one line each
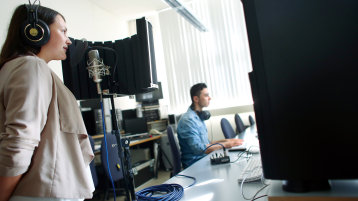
<point>96,70</point>
<point>123,153</point>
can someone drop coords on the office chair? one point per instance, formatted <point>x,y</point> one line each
<point>251,120</point>
<point>113,163</point>
<point>175,152</point>
<point>227,129</point>
<point>240,127</point>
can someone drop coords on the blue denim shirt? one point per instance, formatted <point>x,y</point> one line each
<point>193,137</point>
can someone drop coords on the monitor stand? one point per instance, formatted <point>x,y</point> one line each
<point>341,190</point>
<point>300,186</point>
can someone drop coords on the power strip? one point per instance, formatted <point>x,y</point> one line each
<point>219,159</point>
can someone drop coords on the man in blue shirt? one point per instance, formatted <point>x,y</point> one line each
<point>192,132</point>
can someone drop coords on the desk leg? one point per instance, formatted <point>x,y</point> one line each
<point>156,149</point>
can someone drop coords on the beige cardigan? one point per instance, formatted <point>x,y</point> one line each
<point>42,134</point>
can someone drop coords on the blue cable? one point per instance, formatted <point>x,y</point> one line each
<point>105,144</point>
<point>173,192</point>
<point>163,192</point>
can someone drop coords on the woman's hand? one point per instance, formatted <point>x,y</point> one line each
<point>7,186</point>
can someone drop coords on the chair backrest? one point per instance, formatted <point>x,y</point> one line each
<point>175,151</point>
<point>227,129</point>
<point>113,158</point>
<point>251,120</point>
<point>240,127</point>
<point>92,165</point>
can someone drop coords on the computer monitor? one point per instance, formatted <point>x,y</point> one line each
<point>150,96</point>
<point>304,84</point>
<point>135,126</point>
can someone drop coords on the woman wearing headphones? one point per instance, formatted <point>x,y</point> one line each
<point>44,147</point>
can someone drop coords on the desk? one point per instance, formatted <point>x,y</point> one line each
<point>132,143</point>
<point>218,182</point>
<point>145,170</point>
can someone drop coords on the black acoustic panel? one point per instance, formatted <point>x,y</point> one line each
<point>70,74</point>
<point>125,73</point>
<point>148,75</point>
<point>118,75</point>
<point>143,54</point>
<point>138,63</point>
<point>110,60</point>
<point>153,68</point>
<point>84,78</point>
<point>135,68</point>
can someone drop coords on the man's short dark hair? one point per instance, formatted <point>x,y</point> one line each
<point>196,89</point>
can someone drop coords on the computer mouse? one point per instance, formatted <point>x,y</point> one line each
<point>253,149</point>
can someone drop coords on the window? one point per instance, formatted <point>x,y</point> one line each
<point>219,57</point>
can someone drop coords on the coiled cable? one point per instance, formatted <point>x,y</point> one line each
<point>163,192</point>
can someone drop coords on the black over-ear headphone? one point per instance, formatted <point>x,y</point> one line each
<point>203,115</point>
<point>34,31</point>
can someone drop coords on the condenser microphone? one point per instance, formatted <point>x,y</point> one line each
<point>96,68</point>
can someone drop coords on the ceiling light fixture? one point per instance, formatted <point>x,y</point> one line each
<point>186,14</point>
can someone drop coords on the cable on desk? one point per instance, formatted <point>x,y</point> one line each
<point>239,155</point>
<point>190,177</point>
<point>213,145</point>
<point>254,196</point>
<point>163,192</point>
<point>258,197</point>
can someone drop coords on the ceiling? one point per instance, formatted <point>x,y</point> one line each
<point>129,9</point>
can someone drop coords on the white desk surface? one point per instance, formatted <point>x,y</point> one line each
<point>218,182</point>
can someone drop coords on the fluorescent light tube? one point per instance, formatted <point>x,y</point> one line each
<point>186,14</point>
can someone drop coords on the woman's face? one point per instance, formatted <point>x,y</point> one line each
<point>56,47</point>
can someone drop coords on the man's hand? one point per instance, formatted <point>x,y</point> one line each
<point>233,142</point>
<point>227,143</point>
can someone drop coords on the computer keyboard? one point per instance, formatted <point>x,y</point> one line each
<point>252,171</point>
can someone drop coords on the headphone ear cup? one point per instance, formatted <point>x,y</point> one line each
<point>36,36</point>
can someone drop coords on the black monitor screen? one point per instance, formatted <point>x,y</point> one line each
<point>135,126</point>
<point>304,84</point>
